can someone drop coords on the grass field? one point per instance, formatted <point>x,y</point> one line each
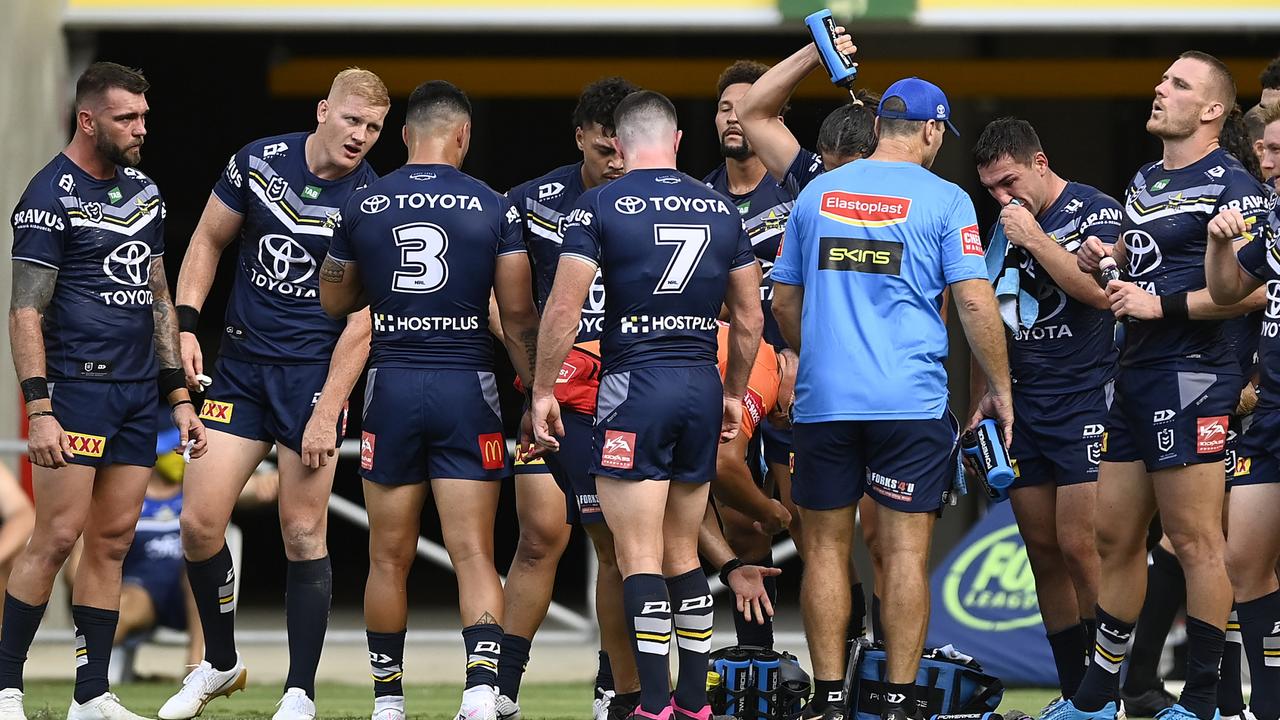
<point>49,700</point>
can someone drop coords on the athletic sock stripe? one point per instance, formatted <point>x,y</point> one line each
<point>653,648</point>
<point>655,637</point>
<point>655,625</point>
<point>695,622</point>
<point>1115,658</point>
<point>694,634</point>
<point>389,678</point>
<point>482,663</point>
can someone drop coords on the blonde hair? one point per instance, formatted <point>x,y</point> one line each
<point>1270,113</point>
<point>362,84</point>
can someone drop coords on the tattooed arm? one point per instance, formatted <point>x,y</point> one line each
<point>170,357</point>
<point>341,292</point>
<point>513,289</point>
<point>33,285</point>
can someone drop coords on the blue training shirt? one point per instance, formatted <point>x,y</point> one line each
<point>874,244</point>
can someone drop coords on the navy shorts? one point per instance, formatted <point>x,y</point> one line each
<point>161,578</point>
<point>426,424</point>
<point>1257,460</point>
<point>109,423</point>
<point>271,403</point>
<point>777,443</point>
<point>571,465</point>
<point>905,465</point>
<point>1058,438</point>
<point>659,423</point>
<point>1170,418</point>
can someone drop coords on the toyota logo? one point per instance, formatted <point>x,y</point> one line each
<point>1144,253</point>
<point>1273,300</point>
<point>129,264</point>
<point>375,204</point>
<point>630,205</point>
<point>284,259</point>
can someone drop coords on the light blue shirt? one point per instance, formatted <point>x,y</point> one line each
<point>874,244</point>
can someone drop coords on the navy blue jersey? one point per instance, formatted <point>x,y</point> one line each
<point>662,298</point>
<point>1261,258</point>
<point>426,239</point>
<point>1070,347</point>
<point>545,202</point>
<point>101,236</point>
<point>764,213</point>
<point>156,539</point>
<point>1166,216</point>
<point>274,315</point>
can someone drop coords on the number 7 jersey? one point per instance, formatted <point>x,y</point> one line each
<point>425,240</point>
<point>665,245</point>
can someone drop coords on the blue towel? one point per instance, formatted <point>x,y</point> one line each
<point>1018,308</point>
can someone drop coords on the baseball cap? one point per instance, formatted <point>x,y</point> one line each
<point>924,101</point>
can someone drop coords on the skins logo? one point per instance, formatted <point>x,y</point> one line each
<point>86,445</point>
<point>216,411</point>
<point>493,449</point>
<point>1211,435</point>
<point>367,443</point>
<point>864,210</point>
<point>619,450</point>
<point>879,257</point>
<point>971,241</point>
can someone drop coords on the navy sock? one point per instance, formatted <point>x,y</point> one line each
<point>827,693</point>
<point>308,590</point>
<point>604,673</point>
<point>877,629</point>
<point>511,664</point>
<point>386,659</point>
<point>693,617</point>
<point>484,649</point>
<point>16,633</point>
<point>751,632</point>
<point>1101,682</point>
<point>1166,591</point>
<point>95,629</point>
<point>1069,650</point>
<point>213,583</point>
<point>858,616</point>
<point>1230,694</point>
<point>1204,656</point>
<point>1258,620</point>
<point>648,608</point>
<point>899,695</point>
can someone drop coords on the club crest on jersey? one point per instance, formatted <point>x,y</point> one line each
<point>1211,435</point>
<point>92,210</point>
<point>619,450</point>
<point>493,449</point>
<point>864,210</point>
<point>86,445</point>
<point>216,411</point>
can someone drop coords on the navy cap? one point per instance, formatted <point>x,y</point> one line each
<point>924,101</point>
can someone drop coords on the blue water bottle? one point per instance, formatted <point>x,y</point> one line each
<point>822,27</point>
<point>737,676</point>
<point>767,668</point>
<point>985,444</point>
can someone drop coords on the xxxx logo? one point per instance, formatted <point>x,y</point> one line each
<point>87,445</point>
<point>216,411</point>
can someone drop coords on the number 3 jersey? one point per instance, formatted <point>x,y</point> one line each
<point>274,314</point>
<point>101,236</point>
<point>665,244</point>
<point>1165,229</point>
<point>425,240</point>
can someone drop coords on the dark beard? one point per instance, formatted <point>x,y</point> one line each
<point>114,153</point>
<point>741,152</point>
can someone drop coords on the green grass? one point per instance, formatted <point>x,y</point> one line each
<point>48,701</point>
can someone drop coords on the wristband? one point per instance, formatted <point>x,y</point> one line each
<point>181,402</point>
<point>40,413</point>
<point>188,318</point>
<point>171,379</point>
<point>727,568</point>
<point>1174,307</point>
<point>35,388</point>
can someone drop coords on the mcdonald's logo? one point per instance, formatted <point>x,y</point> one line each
<point>87,445</point>
<point>216,411</point>
<point>492,451</point>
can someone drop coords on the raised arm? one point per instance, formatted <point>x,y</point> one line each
<point>218,228</point>
<point>1227,280</point>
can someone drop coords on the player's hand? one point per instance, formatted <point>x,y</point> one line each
<point>47,443</point>
<point>1090,254</point>
<point>747,584</point>
<point>192,360</point>
<point>526,447</point>
<point>547,426</point>
<point>319,440</point>
<point>779,520</point>
<point>1129,300</point>
<point>1248,400</point>
<point>844,43</point>
<point>1020,226</point>
<point>190,428</point>
<point>731,422</point>
<point>1227,226</point>
<point>998,406</point>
